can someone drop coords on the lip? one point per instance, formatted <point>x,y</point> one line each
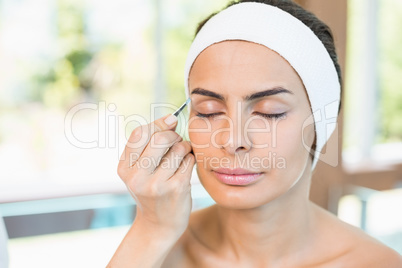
<point>236,176</point>
<point>236,171</point>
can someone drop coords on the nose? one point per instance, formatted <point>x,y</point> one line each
<point>232,137</point>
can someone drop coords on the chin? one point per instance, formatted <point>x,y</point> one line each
<point>251,196</point>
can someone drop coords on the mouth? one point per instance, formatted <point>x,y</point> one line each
<point>237,176</point>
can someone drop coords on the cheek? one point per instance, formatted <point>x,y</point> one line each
<point>199,140</point>
<point>200,132</point>
<point>260,132</point>
<point>293,142</point>
<point>281,136</point>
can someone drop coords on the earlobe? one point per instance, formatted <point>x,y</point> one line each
<point>309,140</point>
<point>313,148</point>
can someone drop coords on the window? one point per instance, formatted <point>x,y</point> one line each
<point>76,78</point>
<point>373,110</point>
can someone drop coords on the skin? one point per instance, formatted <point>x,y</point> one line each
<point>270,222</point>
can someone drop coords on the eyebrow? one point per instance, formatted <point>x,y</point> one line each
<point>257,95</point>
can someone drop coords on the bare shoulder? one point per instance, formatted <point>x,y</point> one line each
<point>369,252</point>
<point>355,247</point>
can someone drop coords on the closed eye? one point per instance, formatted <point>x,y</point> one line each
<point>207,115</point>
<point>272,116</point>
<point>269,116</point>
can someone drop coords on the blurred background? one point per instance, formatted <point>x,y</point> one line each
<point>77,76</point>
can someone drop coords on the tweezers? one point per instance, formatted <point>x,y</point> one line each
<point>177,112</point>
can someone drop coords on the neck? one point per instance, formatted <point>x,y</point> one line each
<point>277,229</point>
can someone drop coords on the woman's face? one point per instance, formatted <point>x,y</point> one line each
<point>257,105</point>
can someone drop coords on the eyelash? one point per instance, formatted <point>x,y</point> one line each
<point>269,116</point>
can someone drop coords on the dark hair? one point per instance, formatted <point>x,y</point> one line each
<point>321,30</point>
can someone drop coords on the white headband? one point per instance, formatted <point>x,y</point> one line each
<point>294,41</point>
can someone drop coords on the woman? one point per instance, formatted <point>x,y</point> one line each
<point>264,84</point>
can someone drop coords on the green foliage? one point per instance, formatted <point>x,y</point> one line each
<point>391,70</point>
<point>389,123</point>
<point>180,29</point>
<point>62,81</point>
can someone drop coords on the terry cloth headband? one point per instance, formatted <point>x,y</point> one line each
<point>294,41</point>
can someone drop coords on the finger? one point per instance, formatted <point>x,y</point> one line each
<point>141,136</point>
<point>182,176</point>
<point>155,150</point>
<point>172,160</point>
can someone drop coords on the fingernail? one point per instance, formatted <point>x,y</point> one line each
<point>170,120</point>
